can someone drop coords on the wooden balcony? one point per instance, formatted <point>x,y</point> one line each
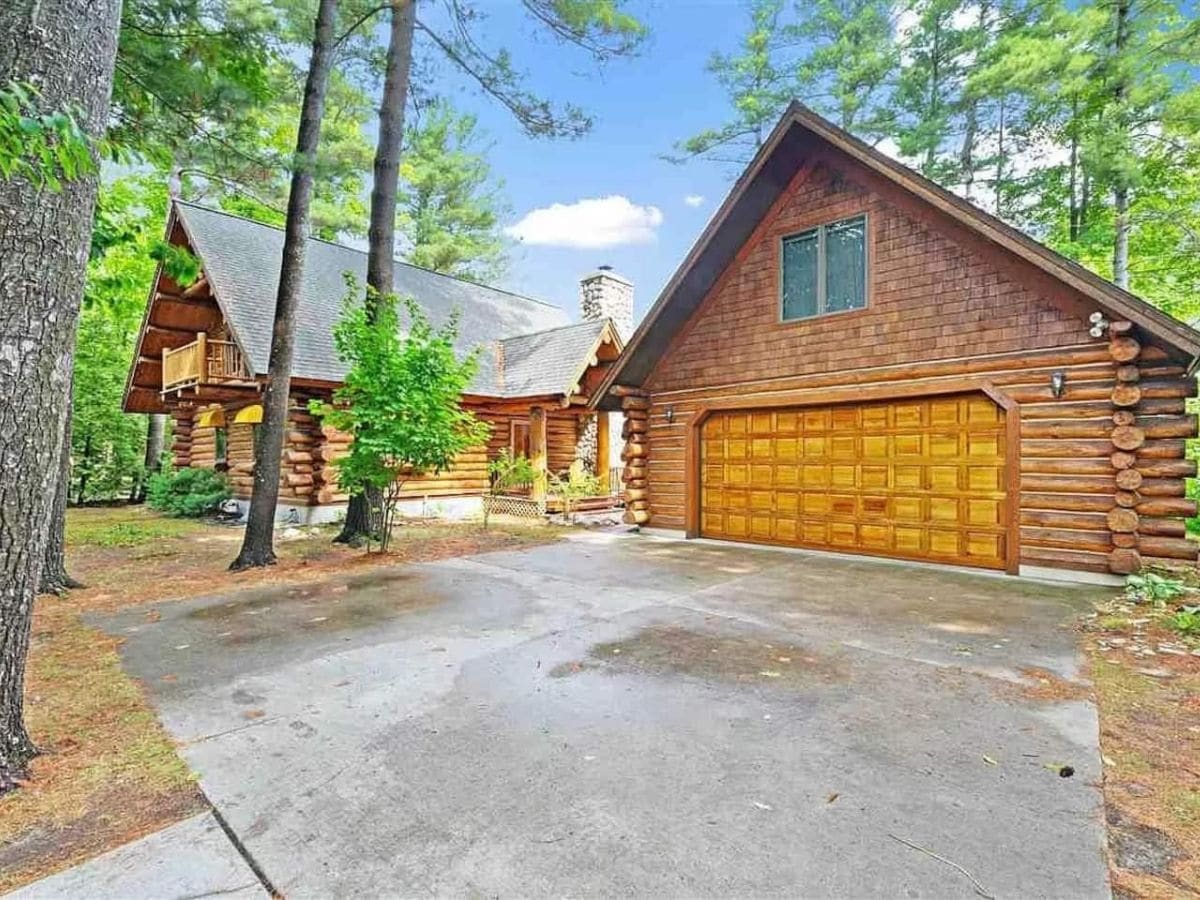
<point>204,362</point>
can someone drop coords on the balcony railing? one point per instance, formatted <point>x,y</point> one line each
<point>204,361</point>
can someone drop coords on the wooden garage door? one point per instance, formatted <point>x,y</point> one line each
<point>916,479</point>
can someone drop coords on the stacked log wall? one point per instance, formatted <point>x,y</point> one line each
<point>239,456</point>
<point>1149,462</point>
<point>203,454</point>
<point>181,438</point>
<point>945,311</point>
<point>297,481</point>
<point>468,475</point>
<point>635,475</point>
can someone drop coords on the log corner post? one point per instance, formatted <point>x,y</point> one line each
<point>537,452</point>
<point>1149,501</point>
<point>602,451</point>
<point>1123,520</point>
<point>635,403</point>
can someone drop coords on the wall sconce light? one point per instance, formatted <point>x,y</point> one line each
<point>1058,384</point>
<point>1099,324</point>
<point>669,414</point>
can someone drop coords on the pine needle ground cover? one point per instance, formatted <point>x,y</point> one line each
<point>109,773</point>
<point>1147,684</point>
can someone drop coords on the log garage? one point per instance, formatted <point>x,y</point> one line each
<point>853,359</point>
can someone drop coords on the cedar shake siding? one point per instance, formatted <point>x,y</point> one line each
<point>1093,479</point>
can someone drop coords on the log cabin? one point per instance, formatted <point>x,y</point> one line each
<point>203,350</point>
<point>853,359</point>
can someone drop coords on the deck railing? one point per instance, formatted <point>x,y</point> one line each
<point>203,361</point>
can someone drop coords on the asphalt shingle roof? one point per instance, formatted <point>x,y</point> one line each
<point>545,362</point>
<point>241,259</point>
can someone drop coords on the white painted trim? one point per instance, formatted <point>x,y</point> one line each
<point>1071,576</point>
<point>669,534</point>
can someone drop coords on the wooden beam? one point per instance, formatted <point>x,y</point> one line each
<point>602,450</point>
<point>537,451</point>
<point>197,288</point>
<point>182,314</point>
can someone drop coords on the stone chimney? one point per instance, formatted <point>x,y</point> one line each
<point>605,293</point>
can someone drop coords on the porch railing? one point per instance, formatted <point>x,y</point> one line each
<point>203,361</point>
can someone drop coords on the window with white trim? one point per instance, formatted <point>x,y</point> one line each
<point>824,270</point>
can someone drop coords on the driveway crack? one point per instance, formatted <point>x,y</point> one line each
<point>244,851</point>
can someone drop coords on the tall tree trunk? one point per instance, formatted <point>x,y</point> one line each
<point>1074,226</point>
<point>1000,163</point>
<point>258,543</point>
<point>55,579</point>
<point>1121,237</point>
<point>935,91</point>
<point>67,48</point>
<point>364,512</point>
<point>156,431</point>
<point>1121,187</point>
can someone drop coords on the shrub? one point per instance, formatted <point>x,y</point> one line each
<point>572,486</point>
<point>1154,589</point>
<point>187,492</point>
<point>1186,621</point>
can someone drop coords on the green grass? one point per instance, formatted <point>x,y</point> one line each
<point>125,534</point>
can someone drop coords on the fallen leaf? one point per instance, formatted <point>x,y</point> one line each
<point>253,714</point>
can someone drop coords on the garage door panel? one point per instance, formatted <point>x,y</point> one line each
<point>918,479</point>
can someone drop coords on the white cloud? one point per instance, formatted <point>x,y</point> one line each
<point>693,200</point>
<point>589,223</point>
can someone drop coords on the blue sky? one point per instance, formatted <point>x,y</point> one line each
<point>641,106</point>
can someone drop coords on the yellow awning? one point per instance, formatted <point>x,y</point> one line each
<point>249,415</point>
<point>210,418</point>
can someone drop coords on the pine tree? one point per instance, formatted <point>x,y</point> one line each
<point>450,209</point>
<point>68,47</point>
<point>849,71</point>
<point>759,82</point>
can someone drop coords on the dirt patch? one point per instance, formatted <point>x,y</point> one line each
<point>1048,687</point>
<point>674,650</point>
<point>107,822</point>
<point>1141,848</point>
<point>1150,743</point>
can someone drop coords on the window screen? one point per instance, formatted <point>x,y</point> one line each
<point>825,270</point>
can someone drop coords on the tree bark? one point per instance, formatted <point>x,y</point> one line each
<point>258,543</point>
<point>156,430</point>
<point>55,579</point>
<point>363,512</point>
<point>67,48</point>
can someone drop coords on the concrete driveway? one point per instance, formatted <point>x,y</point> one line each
<point>627,715</point>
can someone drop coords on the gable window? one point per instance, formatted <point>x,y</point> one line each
<point>824,270</point>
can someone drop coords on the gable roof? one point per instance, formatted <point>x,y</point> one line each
<point>765,178</point>
<point>551,362</point>
<point>241,260</point>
